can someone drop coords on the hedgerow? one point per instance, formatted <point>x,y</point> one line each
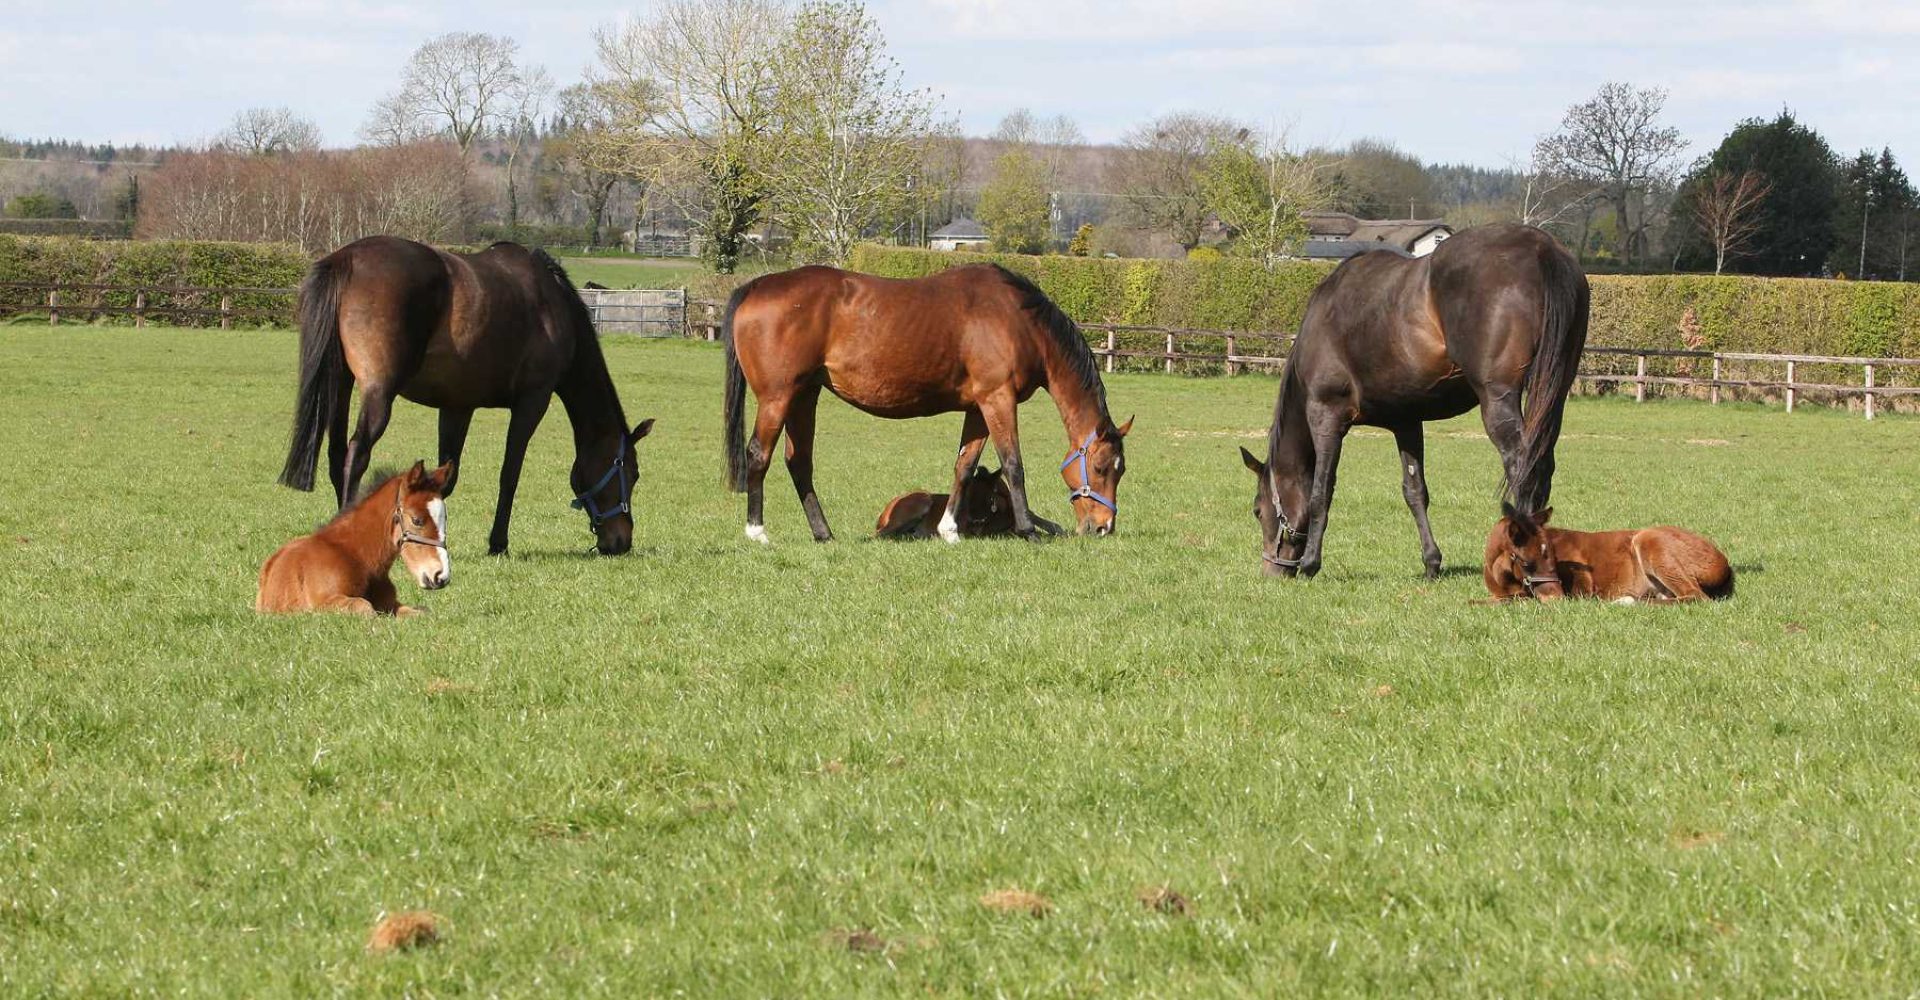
<point>152,263</point>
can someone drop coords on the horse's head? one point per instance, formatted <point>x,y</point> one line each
<point>1093,472</point>
<point>420,524</point>
<point>1526,546</point>
<point>603,481</point>
<point>988,503</point>
<point>1282,517</point>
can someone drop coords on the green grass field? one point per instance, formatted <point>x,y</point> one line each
<point>697,769</point>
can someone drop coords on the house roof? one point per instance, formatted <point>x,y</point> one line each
<point>1325,225</point>
<point>1403,233</point>
<point>964,229</point>
<point>1341,249</point>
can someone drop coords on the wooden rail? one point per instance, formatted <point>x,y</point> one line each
<point>89,300</point>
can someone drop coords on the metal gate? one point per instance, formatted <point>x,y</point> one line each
<point>648,312</point>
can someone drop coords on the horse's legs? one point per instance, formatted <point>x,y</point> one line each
<point>453,440</point>
<point>527,414</point>
<point>1501,417</point>
<point>1413,486</point>
<point>1668,576</point>
<point>766,433</point>
<point>973,440</point>
<point>337,438</point>
<point>1002,416</point>
<point>376,406</point>
<point>1329,429</point>
<point>800,414</point>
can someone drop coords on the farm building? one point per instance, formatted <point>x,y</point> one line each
<point>1337,235</point>
<point>960,234</point>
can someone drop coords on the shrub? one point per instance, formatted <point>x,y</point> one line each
<point>165,263</point>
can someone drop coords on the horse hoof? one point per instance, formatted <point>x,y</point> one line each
<point>496,550</point>
<point>758,533</point>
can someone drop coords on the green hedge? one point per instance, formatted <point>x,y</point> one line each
<point>1733,313</point>
<point>177,263</point>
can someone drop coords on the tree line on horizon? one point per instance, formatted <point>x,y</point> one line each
<point>689,122</point>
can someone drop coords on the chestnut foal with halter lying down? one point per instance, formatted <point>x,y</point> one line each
<point>977,339</point>
<point>344,565</point>
<point>988,506</point>
<point>1525,558</point>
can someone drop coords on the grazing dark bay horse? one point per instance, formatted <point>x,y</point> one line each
<point>978,339</point>
<point>499,328</point>
<point>1527,558</point>
<point>1496,317</point>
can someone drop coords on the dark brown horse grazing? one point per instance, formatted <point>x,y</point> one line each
<point>1497,316</point>
<point>499,328</point>
<point>988,509</point>
<point>978,339</point>
<point>344,566</point>
<point>1526,558</point>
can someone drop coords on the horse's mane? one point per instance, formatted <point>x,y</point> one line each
<point>1064,331</point>
<point>373,483</point>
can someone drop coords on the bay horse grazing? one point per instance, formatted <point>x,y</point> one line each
<point>977,339</point>
<point>987,507</point>
<point>500,328</point>
<point>1495,317</point>
<point>1526,558</point>
<point>344,565</point>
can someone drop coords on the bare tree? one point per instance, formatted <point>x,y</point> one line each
<point>529,97</point>
<point>698,95</point>
<point>590,151</point>
<point>267,131</point>
<point>1615,142</point>
<point>1048,140</point>
<point>463,83</point>
<point>1158,171</point>
<point>1724,210</point>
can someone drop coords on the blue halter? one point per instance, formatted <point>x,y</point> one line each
<point>584,500</point>
<point>1085,489</point>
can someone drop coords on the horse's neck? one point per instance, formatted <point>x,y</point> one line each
<point>1081,408</point>
<point>593,406</point>
<point>366,531</point>
<point>1290,441</point>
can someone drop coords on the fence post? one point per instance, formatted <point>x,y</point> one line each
<point>53,307</point>
<point>140,308</point>
<point>1869,392</point>
<point>1169,353</point>
<point>1113,344</point>
<point>1233,351</point>
<point>1789,387</point>
<point>1713,394</point>
<point>226,309</point>
<point>1640,378</point>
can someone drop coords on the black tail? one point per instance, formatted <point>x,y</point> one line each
<point>736,406</point>
<point>323,369</point>
<point>1723,591</point>
<point>1556,362</point>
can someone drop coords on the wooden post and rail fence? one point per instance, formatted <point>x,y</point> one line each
<point>671,313</point>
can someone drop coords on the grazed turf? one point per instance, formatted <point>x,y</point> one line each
<point>714,769</point>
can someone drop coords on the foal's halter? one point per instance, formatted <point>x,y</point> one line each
<point>584,499</point>
<point>1085,489</point>
<point>409,538</point>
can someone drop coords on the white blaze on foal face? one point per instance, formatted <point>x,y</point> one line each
<point>424,546</point>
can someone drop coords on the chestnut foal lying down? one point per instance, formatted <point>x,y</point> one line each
<point>344,565</point>
<point>1525,558</point>
<point>986,511</point>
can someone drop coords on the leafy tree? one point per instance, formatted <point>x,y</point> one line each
<point>1158,168</point>
<point>1873,218</point>
<point>1014,209</point>
<point>41,206</point>
<point>851,136</point>
<point>1796,218</point>
<point>1373,178</point>
<point>1082,243</point>
<point>1258,189</point>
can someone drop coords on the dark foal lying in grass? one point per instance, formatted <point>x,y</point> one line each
<point>1525,558</point>
<point>344,565</point>
<point>986,511</point>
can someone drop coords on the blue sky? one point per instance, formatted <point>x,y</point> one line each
<point>1472,81</point>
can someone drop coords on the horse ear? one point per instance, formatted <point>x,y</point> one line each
<point>1508,511</point>
<point>417,474</point>
<point>442,476</point>
<point>1544,516</point>
<point>1253,464</point>
<point>640,430</point>
<point>1121,431</point>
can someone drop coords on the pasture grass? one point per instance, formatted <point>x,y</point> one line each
<point>710,768</point>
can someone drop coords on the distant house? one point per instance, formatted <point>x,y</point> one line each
<point>960,234</point>
<point>1337,235</point>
